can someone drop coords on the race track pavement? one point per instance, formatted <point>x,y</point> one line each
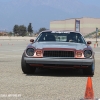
<point>44,84</point>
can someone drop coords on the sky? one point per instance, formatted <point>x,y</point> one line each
<point>91,2</point>
<point>41,12</point>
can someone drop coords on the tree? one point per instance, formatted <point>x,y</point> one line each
<point>42,29</point>
<point>22,30</point>
<point>16,29</point>
<point>30,30</point>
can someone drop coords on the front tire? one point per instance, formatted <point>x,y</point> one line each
<point>26,68</point>
<point>89,70</point>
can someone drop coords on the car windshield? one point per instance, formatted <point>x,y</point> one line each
<point>60,37</point>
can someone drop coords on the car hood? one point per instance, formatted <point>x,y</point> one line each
<point>77,46</point>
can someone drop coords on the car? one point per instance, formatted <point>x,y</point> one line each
<point>58,49</point>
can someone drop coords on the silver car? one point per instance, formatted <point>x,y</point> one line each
<point>58,49</point>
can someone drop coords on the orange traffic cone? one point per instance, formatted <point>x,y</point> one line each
<point>89,94</point>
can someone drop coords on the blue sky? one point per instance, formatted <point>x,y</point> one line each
<point>41,12</point>
<point>91,2</point>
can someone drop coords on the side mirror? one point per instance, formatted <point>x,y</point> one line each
<point>31,40</point>
<point>89,42</point>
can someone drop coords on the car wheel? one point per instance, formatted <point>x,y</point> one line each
<point>89,70</point>
<point>26,68</point>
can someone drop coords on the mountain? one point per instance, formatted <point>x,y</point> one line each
<point>41,12</point>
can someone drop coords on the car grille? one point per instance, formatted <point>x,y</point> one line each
<point>58,54</point>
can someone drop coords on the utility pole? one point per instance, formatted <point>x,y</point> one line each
<point>96,33</point>
<point>96,36</point>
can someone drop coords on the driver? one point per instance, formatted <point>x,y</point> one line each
<point>72,38</point>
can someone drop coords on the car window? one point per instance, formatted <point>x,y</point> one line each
<point>61,37</point>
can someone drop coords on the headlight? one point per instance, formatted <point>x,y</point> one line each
<point>87,53</point>
<point>30,52</point>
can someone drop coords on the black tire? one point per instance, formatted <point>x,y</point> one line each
<point>88,71</point>
<point>26,68</point>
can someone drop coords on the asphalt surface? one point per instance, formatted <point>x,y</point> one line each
<point>44,84</point>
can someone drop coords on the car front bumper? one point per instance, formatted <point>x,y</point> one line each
<point>59,61</point>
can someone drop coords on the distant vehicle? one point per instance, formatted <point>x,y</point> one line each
<point>58,49</point>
